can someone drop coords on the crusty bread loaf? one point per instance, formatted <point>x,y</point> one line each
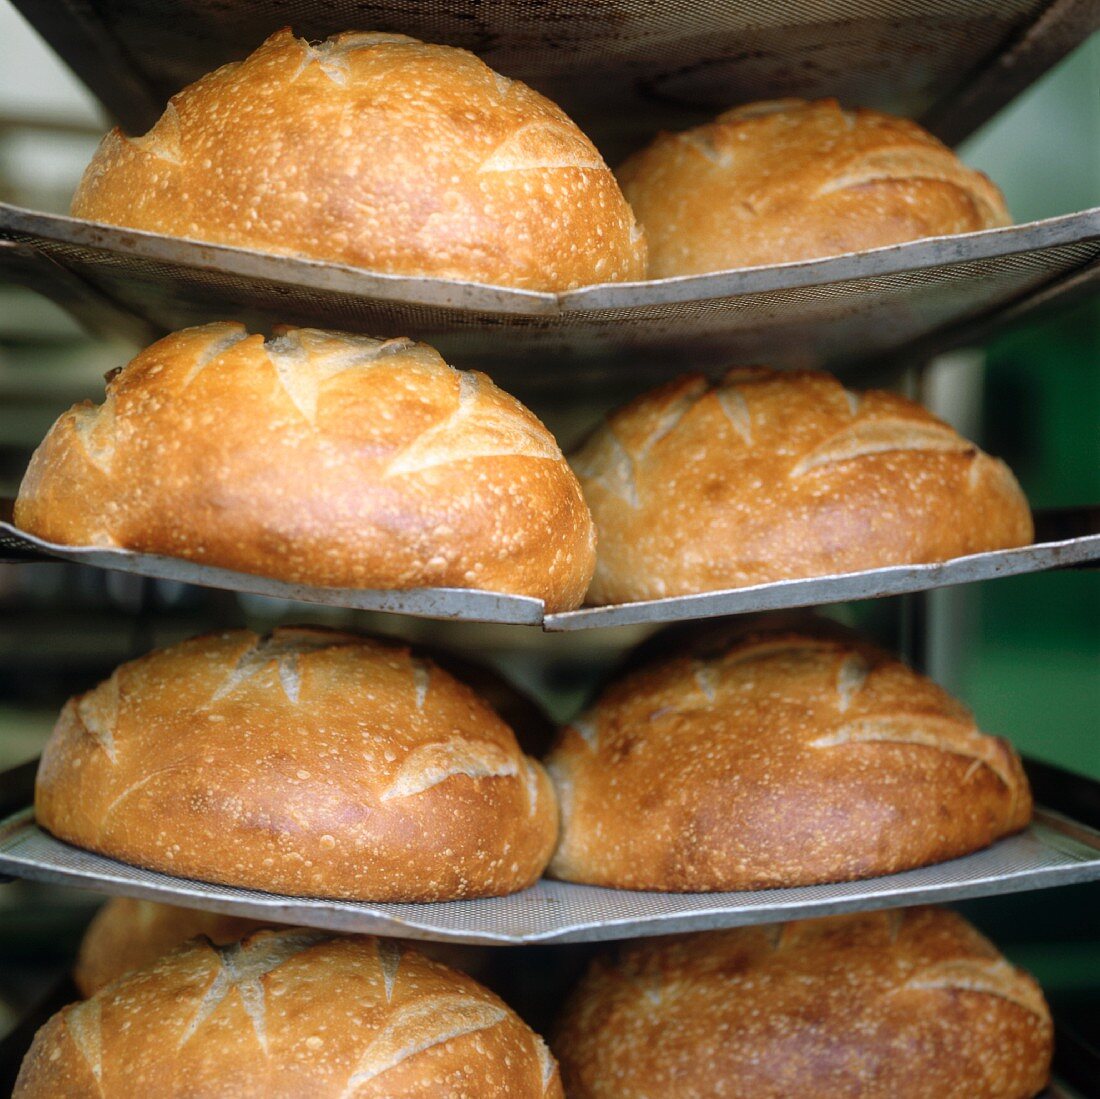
<point>289,1014</point>
<point>783,759</point>
<point>791,180</point>
<point>378,151</point>
<point>316,458</point>
<point>881,1005</point>
<point>308,762</point>
<point>771,476</point>
<point>127,934</point>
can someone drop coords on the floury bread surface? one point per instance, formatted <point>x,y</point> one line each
<point>288,1014</point>
<point>788,180</point>
<point>128,934</point>
<point>316,458</point>
<point>308,762</point>
<point>769,476</point>
<point>378,151</point>
<point>909,1004</point>
<point>778,760</point>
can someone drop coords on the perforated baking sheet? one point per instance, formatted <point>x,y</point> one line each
<point>1054,851</point>
<point>481,606</point>
<point>832,312</point>
<point>621,68</point>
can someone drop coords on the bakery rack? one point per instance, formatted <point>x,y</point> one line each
<point>842,313</point>
<point>1064,539</point>
<point>950,65</point>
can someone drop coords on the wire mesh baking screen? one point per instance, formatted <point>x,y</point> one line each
<point>483,606</point>
<point>1047,854</point>
<point>622,68</point>
<point>831,313</point>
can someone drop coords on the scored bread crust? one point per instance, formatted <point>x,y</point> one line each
<point>772,475</point>
<point>907,1004</point>
<point>379,151</point>
<point>286,1014</point>
<point>317,458</point>
<point>309,762</point>
<point>786,180</point>
<point>127,934</point>
<point>782,759</point>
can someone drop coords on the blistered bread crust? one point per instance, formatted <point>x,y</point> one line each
<point>378,151</point>
<point>286,1014</point>
<point>789,180</point>
<point>908,1004</point>
<point>307,762</point>
<point>127,934</point>
<point>782,759</point>
<point>769,476</point>
<point>317,458</point>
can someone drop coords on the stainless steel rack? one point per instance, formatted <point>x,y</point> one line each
<point>840,313</point>
<point>1074,539</point>
<point>622,69</point>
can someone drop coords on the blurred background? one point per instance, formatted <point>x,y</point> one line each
<point>1023,653</point>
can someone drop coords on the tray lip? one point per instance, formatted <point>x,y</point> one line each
<point>725,601</point>
<point>481,298</point>
<point>485,606</point>
<point>341,915</point>
<point>1078,841</point>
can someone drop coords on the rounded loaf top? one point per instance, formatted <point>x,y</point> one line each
<point>907,1004</point>
<point>789,180</point>
<point>378,151</point>
<point>317,458</point>
<point>781,759</point>
<point>771,475</point>
<point>285,1014</point>
<point>308,762</point>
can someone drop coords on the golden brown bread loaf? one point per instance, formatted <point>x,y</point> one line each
<point>378,151</point>
<point>309,762</point>
<point>127,934</point>
<point>782,759</point>
<point>881,1005</point>
<point>317,458</point>
<point>772,476</point>
<point>789,180</point>
<point>288,1014</point>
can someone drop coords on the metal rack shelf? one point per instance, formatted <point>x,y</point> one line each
<point>909,300</point>
<point>1055,850</point>
<point>1074,539</point>
<point>620,69</point>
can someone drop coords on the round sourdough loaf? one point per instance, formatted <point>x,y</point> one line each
<point>287,1014</point>
<point>884,1005</point>
<point>782,759</point>
<point>316,458</point>
<point>378,151</point>
<point>790,180</point>
<point>128,934</point>
<point>773,476</point>
<point>308,762</point>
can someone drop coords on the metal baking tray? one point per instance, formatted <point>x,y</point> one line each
<point>1055,850</point>
<point>909,300</point>
<point>621,68</point>
<point>1074,539</point>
